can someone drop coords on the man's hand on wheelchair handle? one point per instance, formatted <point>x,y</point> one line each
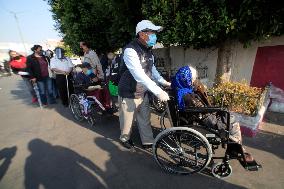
<point>167,85</point>
<point>163,96</point>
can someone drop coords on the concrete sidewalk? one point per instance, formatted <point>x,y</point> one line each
<point>49,149</point>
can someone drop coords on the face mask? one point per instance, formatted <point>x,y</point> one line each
<point>89,72</point>
<point>152,40</point>
<point>59,53</point>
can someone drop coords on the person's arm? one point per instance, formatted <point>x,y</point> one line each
<point>53,67</point>
<point>95,62</point>
<point>30,69</point>
<point>132,62</point>
<point>70,65</point>
<point>156,76</point>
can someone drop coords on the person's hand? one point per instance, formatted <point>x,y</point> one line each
<point>167,85</point>
<point>33,80</point>
<point>163,96</point>
<point>95,79</point>
<point>139,91</point>
<point>140,88</point>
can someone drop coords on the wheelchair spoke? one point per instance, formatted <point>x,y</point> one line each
<point>182,152</point>
<point>167,146</point>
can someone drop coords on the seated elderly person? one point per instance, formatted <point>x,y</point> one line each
<point>186,86</point>
<point>87,78</point>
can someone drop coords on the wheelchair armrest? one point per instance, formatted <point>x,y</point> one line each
<point>204,109</point>
<point>210,110</point>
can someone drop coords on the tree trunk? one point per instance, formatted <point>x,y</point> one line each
<point>224,61</point>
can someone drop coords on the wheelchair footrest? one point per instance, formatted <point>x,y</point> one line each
<point>251,166</point>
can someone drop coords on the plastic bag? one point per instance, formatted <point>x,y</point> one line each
<point>277,96</point>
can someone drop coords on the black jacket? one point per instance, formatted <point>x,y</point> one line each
<point>33,67</point>
<point>127,83</point>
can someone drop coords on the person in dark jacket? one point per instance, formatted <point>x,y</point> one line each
<point>37,66</point>
<point>138,75</point>
<point>18,65</point>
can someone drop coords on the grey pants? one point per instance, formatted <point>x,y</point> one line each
<point>129,109</point>
<point>29,86</point>
<point>234,130</point>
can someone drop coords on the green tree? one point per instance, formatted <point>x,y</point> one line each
<point>106,24</point>
<point>206,23</point>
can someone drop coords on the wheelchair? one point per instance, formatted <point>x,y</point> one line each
<point>189,146</point>
<point>84,107</point>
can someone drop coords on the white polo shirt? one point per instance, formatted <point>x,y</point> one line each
<point>61,64</point>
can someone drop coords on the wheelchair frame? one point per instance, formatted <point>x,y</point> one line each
<point>211,140</point>
<point>95,105</point>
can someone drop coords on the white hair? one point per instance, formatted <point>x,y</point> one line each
<point>193,73</point>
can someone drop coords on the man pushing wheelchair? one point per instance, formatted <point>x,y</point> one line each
<point>198,129</point>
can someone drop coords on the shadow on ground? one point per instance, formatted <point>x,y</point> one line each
<point>6,156</point>
<point>274,118</point>
<point>57,167</point>
<point>267,141</point>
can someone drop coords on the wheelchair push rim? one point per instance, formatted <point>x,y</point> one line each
<point>76,107</point>
<point>182,150</point>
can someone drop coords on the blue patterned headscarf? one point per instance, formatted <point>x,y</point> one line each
<point>182,84</point>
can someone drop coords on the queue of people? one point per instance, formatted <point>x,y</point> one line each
<point>135,77</point>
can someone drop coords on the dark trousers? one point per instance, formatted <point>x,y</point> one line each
<point>61,85</point>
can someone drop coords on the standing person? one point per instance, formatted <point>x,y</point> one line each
<point>104,62</point>
<point>37,66</point>
<point>136,72</point>
<point>62,67</point>
<point>92,58</point>
<point>18,65</point>
<point>49,54</point>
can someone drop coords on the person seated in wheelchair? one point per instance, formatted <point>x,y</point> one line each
<point>190,92</point>
<point>91,85</point>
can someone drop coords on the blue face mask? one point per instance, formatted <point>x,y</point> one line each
<point>89,72</point>
<point>152,40</point>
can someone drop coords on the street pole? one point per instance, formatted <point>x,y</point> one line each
<point>19,29</point>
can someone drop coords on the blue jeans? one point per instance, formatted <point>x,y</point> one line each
<point>46,90</point>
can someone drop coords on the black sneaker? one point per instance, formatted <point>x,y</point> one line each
<point>127,144</point>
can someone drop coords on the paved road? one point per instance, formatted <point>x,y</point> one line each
<point>49,149</point>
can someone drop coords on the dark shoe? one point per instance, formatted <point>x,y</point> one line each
<point>147,146</point>
<point>127,144</point>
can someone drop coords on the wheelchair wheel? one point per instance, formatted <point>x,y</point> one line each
<point>221,170</point>
<point>91,121</point>
<point>76,107</point>
<point>182,150</point>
